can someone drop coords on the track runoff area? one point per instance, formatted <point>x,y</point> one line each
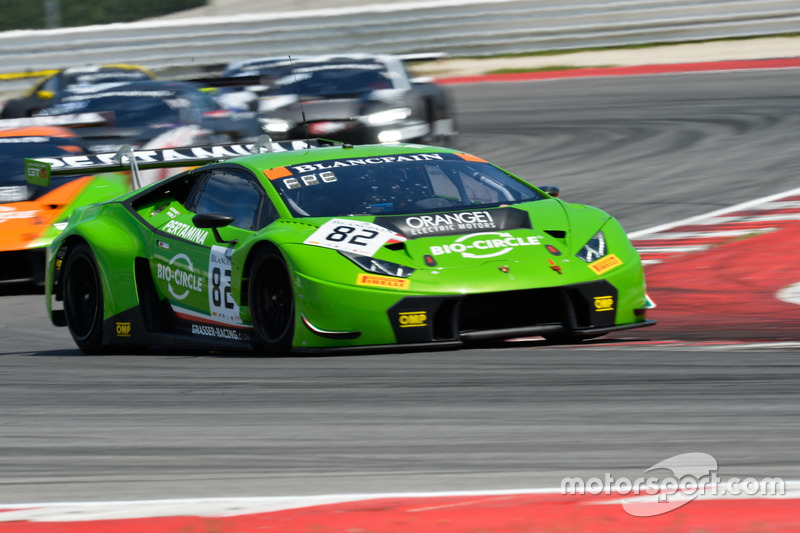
<point>693,498</point>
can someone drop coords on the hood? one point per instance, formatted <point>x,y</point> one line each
<point>496,249</point>
<point>471,250</point>
<point>472,237</point>
<point>338,107</point>
<point>463,238</point>
<point>316,110</point>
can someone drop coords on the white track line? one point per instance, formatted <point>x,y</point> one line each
<point>113,510</point>
<point>697,219</point>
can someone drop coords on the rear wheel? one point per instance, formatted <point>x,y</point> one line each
<point>15,108</point>
<point>271,301</point>
<point>83,299</point>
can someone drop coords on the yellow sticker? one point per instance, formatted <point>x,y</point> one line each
<point>604,303</point>
<point>601,266</point>
<point>413,319</point>
<point>387,282</point>
<point>123,329</point>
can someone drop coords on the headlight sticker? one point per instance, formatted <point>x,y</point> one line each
<point>594,249</point>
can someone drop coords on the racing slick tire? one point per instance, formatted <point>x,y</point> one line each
<point>271,302</point>
<point>15,108</point>
<point>83,299</point>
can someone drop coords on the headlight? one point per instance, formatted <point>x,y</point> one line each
<point>387,117</point>
<point>379,266</point>
<point>275,125</point>
<point>594,249</point>
<point>390,136</point>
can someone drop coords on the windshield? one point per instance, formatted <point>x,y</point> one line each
<point>14,150</point>
<point>332,79</point>
<point>131,109</point>
<point>93,77</point>
<point>14,186</point>
<point>269,69</point>
<point>412,183</point>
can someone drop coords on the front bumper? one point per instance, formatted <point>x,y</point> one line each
<point>384,317</point>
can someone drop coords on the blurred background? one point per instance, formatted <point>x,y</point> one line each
<point>23,15</point>
<point>649,149</point>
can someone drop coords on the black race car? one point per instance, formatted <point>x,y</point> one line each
<point>354,99</point>
<point>154,114</point>
<point>62,80</point>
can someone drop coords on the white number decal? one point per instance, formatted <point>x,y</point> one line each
<point>221,304</point>
<point>363,238</point>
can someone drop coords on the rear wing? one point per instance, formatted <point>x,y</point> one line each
<point>40,170</point>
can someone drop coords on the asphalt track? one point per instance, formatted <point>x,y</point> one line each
<point>649,149</point>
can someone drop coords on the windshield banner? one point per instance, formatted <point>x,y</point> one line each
<point>472,221</point>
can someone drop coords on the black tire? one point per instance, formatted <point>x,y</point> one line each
<point>271,302</point>
<point>83,299</point>
<point>16,108</point>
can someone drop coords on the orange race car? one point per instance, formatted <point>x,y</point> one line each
<point>32,215</point>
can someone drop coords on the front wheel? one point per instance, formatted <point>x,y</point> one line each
<point>83,299</point>
<point>271,301</point>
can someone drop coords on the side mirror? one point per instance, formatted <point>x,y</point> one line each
<point>45,95</point>
<point>213,221</point>
<point>552,190</point>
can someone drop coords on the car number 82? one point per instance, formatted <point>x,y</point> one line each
<point>354,236</point>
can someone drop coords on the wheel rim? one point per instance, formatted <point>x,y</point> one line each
<point>274,302</point>
<point>82,302</point>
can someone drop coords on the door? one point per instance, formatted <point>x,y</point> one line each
<point>190,268</point>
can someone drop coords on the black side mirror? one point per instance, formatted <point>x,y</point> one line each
<point>552,190</point>
<point>213,221</point>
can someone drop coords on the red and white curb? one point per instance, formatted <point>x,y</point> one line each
<point>456,512</point>
<point>729,274</point>
<point>640,70</point>
<point>702,232</point>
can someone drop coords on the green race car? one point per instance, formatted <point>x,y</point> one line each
<point>316,246</point>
